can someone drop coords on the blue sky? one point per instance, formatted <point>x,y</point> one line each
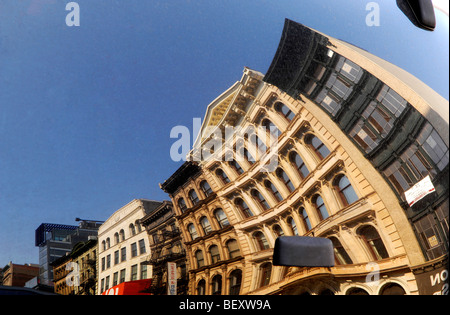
<point>86,112</point>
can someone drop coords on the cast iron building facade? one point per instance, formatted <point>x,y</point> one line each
<point>349,134</point>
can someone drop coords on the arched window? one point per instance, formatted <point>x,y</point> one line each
<point>317,146</point>
<point>260,199</point>
<point>346,192</point>
<point>199,258</point>
<point>138,226</point>
<point>201,287</point>
<point>182,204</point>
<point>258,144</point>
<point>285,178</point>
<point>122,235</point>
<point>299,164</point>
<point>132,229</point>
<point>216,285</point>
<point>206,188</point>
<point>116,238</point>
<point>214,254</point>
<point>193,196</point>
<point>273,190</point>
<point>284,110</point>
<point>293,226</point>
<point>392,289</point>
<point>223,177</point>
<point>373,242</point>
<point>271,127</point>
<point>242,205</point>
<point>266,272</point>
<point>206,226</point>
<point>278,230</point>
<point>305,218</point>
<point>340,254</point>
<point>192,231</point>
<point>233,249</point>
<point>261,241</point>
<point>235,165</point>
<point>235,282</point>
<point>221,218</point>
<point>322,211</point>
<point>104,245</point>
<point>357,291</point>
<point>248,157</point>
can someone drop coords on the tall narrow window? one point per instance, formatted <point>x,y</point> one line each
<point>293,226</point>
<point>216,285</point>
<point>206,188</point>
<point>235,282</point>
<point>273,190</point>
<point>214,254</point>
<point>321,208</point>
<point>192,231</point>
<point>340,254</point>
<point>242,205</point>
<point>221,218</point>
<point>271,128</point>
<point>193,196</point>
<point>182,204</point>
<point>235,165</point>
<point>261,241</point>
<point>285,178</point>
<point>260,199</point>
<point>132,229</point>
<point>266,272</point>
<point>206,226</point>
<point>201,287</point>
<point>317,146</point>
<point>223,177</point>
<point>305,218</point>
<point>346,192</point>
<point>374,242</point>
<point>299,164</point>
<point>248,157</point>
<point>233,249</point>
<point>199,258</point>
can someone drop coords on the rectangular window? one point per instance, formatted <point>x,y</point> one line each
<point>116,257</point>
<point>123,252</point>
<point>122,276</point>
<point>134,272</point>
<point>133,250</point>
<point>142,249</point>
<point>143,272</point>
<point>115,279</point>
<point>108,261</point>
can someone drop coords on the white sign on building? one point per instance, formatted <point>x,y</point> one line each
<point>171,278</point>
<point>419,190</point>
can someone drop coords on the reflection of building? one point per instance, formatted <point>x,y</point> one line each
<point>17,275</point>
<point>56,240</point>
<point>165,246</point>
<point>214,256</point>
<point>349,134</point>
<point>123,245</point>
<point>83,266</point>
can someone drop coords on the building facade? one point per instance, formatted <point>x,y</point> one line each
<point>325,145</point>
<point>166,246</point>
<point>16,275</point>
<point>57,240</point>
<point>124,246</point>
<point>213,252</point>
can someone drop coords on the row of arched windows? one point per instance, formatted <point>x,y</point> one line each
<point>119,237</point>
<point>213,254</point>
<point>216,285</point>
<point>220,217</point>
<point>193,196</point>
